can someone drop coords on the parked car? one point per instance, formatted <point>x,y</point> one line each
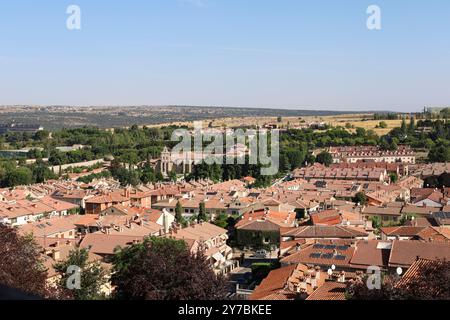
<point>261,254</point>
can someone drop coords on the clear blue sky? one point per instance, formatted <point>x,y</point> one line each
<point>315,54</point>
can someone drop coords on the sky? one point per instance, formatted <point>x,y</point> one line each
<point>290,54</point>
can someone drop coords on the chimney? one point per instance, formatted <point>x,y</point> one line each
<point>56,255</point>
<point>342,277</point>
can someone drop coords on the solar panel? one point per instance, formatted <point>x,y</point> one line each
<point>315,255</point>
<point>340,257</point>
<point>330,247</point>
<point>327,256</point>
<point>318,246</point>
<point>343,248</point>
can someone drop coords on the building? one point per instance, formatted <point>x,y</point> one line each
<point>261,228</point>
<point>292,282</point>
<point>354,154</point>
<point>211,239</point>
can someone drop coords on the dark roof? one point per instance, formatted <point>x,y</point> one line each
<point>442,218</point>
<point>261,225</point>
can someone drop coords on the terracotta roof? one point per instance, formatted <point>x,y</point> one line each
<point>325,232</point>
<point>49,227</point>
<point>329,291</point>
<point>322,255</point>
<point>100,243</point>
<point>200,232</point>
<point>419,267</point>
<point>401,231</point>
<point>382,211</point>
<point>328,217</point>
<point>273,283</point>
<point>371,253</point>
<point>404,253</point>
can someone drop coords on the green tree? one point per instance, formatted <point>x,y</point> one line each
<point>439,153</point>
<point>93,276</point>
<point>360,198</point>
<point>404,128</point>
<point>412,124</point>
<point>148,174</point>
<point>159,177</point>
<point>173,176</point>
<point>383,125</point>
<point>376,222</point>
<point>42,173</point>
<point>394,177</point>
<point>18,177</point>
<point>179,213</point>
<point>202,212</point>
<point>324,158</point>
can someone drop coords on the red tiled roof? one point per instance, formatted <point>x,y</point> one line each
<point>329,291</point>
<point>273,283</point>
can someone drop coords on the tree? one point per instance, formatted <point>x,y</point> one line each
<point>382,125</point>
<point>21,266</point>
<point>403,127</point>
<point>173,176</point>
<point>93,276</point>
<point>42,173</point>
<point>360,198</point>
<point>18,177</point>
<point>431,281</point>
<point>412,124</point>
<point>164,269</point>
<point>324,158</point>
<point>148,174</point>
<point>439,153</point>
<point>179,213</point>
<point>394,177</point>
<point>376,222</point>
<point>202,212</point>
<point>159,177</point>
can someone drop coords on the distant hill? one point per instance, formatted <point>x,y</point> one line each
<point>56,117</point>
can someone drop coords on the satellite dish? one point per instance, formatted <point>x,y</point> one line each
<point>333,267</point>
<point>399,271</point>
<point>330,272</point>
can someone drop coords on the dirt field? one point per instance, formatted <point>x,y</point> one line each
<point>355,120</point>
